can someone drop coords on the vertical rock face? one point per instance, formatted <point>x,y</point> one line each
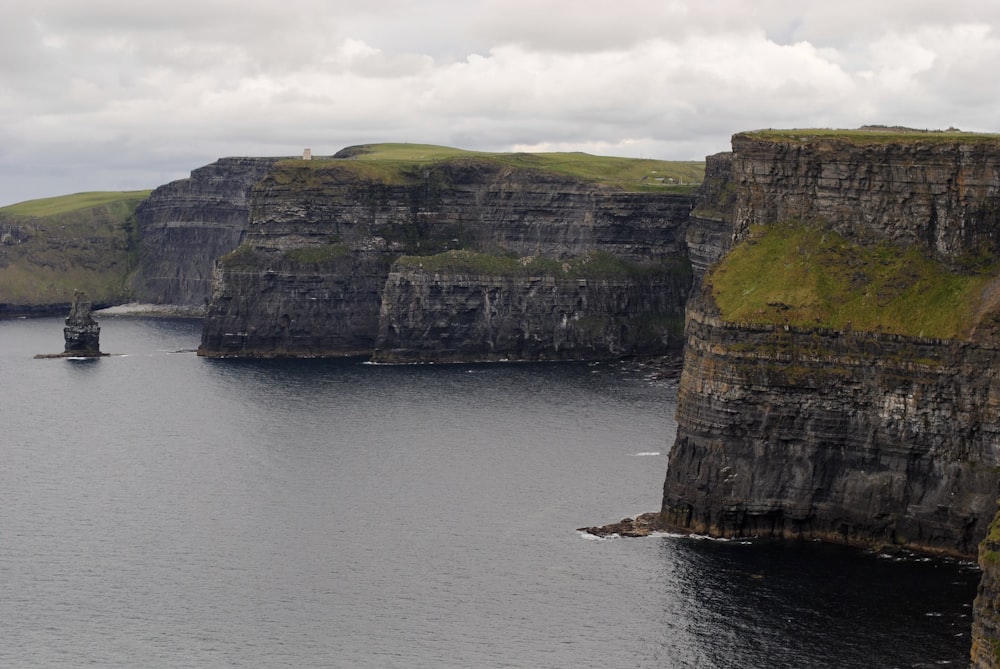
<point>310,277</point>
<point>269,303</point>
<point>942,194</point>
<point>860,437</point>
<point>454,315</point>
<point>185,225</point>
<point>82,333</point>
<point>710,231</point>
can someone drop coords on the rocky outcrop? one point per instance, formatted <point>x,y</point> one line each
<point>82,333</point>
<point>642,525</point>
<point>185,225</point>
<point>309,279</point>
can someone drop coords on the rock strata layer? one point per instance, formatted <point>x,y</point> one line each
<point>860,438</point>
<point>458,316</point>
<point>185,225</point>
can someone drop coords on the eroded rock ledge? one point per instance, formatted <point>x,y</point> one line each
<point>642,525</point>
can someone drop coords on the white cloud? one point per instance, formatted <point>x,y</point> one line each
<point>116,94</point>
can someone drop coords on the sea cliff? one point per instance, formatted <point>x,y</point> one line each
<point>840,371</point>
<point>857,437</point>
<point>549,266</point>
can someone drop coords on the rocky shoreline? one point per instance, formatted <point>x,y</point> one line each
<point>643,525</point>
<point>153,310</point>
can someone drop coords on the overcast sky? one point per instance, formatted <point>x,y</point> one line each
<point>129,94</point>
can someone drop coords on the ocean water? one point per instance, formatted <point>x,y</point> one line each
<point>162,510</point>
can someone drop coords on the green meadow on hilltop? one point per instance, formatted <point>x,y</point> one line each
<point>53,246</point>
<point>400,163</point>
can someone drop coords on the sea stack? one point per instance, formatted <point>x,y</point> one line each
<point>82,332</point>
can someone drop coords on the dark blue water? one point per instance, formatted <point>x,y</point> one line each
<point>159,509</point>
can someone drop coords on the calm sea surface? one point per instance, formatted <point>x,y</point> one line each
<point>162,510</point>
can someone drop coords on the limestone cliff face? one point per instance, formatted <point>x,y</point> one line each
<point>462,316</point>
<point>185,225</point>
<point>269,303</point>
<point>310,277</point>
<point>857,437</point>
<point>942,194</point>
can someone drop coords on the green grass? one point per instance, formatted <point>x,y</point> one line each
<point>242,257</point>
<point>871,136</point>
<point>805,276</point>
<point>64,204</point>
<point>316,255</point>
<point>400,163</point>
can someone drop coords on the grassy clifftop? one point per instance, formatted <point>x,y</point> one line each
<point>52,246</point>
<point>400,163</point>
<point>809,277</point>
<point>68,204</point>
<point>871,135</point>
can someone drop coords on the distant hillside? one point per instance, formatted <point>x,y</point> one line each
<point>394,161</point>
<point>50,247</point>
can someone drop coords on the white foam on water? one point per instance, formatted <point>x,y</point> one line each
<point>593,537</point>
